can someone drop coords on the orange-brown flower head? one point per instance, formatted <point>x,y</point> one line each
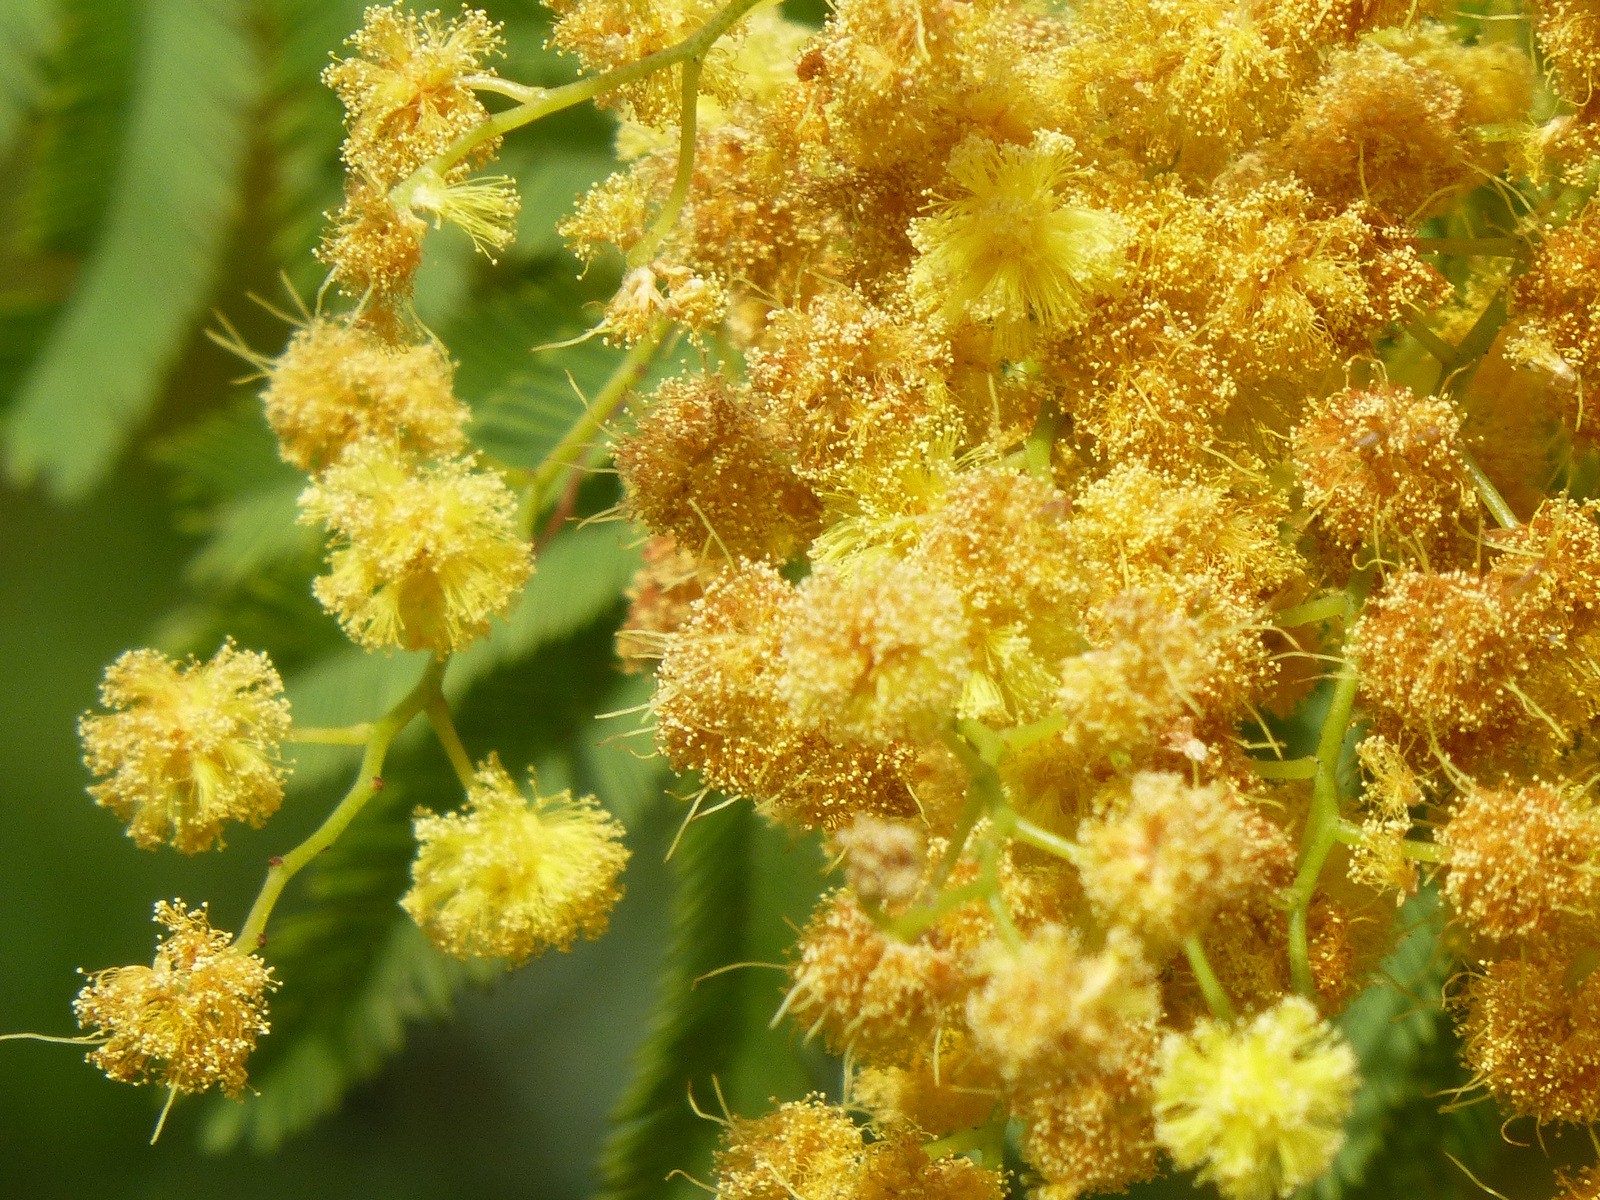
<point>878,654</point>
<point>700,467</point>
<point>938,1088</point>
<point>1014,246</point>
<point>1531,1035</point>
<point>1522,861</point>
<point>1154,669</point>
<point>188,746</point>
<point>871,992</point>
<point>422,555</point>
<point>811,1149</point>
<point>1556,552</point>
<point>1381,128</point>
<point>1569,34</point>
<point>1380,463</point>
<point>1446,651</point>
<point>373,249</point>
<point>721,710</point>
<point>883,860</point>
<point>1050,1008</point>
<point>508,877</point>
<point>1091,1134</point>
<point>1560,306</point>
<point>1258,1108</point>
<point>406,91</point>
<point>338,383</point>
<point>855,391</point>
<point>803,1148</point>
<point>188,1021</point>
<point>1173,854</point>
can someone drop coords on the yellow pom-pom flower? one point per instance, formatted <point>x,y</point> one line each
<point>423,556</point>
<point>189,745</point>
<point>1013,249</point>
<point>187,1022</point>
<point>338,383</point>
<point>510,877</point>
<point>1259,1108</point>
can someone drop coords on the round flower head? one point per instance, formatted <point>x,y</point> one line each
<point>1174,855</point>
<point>190,745</point>
<point>509,877</point>
<point>1259,1108</point>
<point>422,556</point>
<point>337,384</point>
<point>187,1022</point>
<point>1531,1034</point>
<point>1522,860</point>
<point>1012,248</point>
<point>1049,1008</point>
<point>405,90</point>
<point>877,654</point>
<point>1380,461</point>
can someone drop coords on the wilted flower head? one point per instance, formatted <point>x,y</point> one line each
<point>508,877</point>
<point>1259,1109</point>
<point>189,745</point>
<point>423,555</point>
<point>187,1022</point>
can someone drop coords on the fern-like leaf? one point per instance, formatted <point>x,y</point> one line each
<point>176,193</point>
<point>656,1131</point>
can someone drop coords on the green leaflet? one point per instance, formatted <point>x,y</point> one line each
<point>26,27</point>
<point>1408,1064</point>
<point>742,888</point>
<point>175,197</point>
<point>656,1131</point>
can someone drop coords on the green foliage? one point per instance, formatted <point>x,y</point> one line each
<point>176,194</point>
<point>657,1131</point>
<point>354,971</point>
<point>1408,1068</point>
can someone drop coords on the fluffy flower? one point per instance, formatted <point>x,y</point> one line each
<point>1014,248</point>
<point>405,89</point>
<point>338,383</point>
<point>1258,1109</point>
<point>423,556</point>
<point>187,1022</point>
<point>190,745</point>
<point>510,877</point>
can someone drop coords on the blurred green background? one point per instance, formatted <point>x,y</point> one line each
<point>160,160</point>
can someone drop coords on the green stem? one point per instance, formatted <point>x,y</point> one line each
<point>1490,495</point>
<point>605,405</point>
<point>1323,608</point>
<point>1210,986</point>
<point>336,735</point>
<point>1322,825</point>
<point>647,246</point>
<point>1433,343</point>
<point>1029,834</point>
<point>369,781</point>
<point>985,795</point>
<point>914,920</point>
<point>1293,768</point>
<point>542,102</point>
<point>444,728</point>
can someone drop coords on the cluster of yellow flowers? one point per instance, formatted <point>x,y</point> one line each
<point>1087,396</point>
